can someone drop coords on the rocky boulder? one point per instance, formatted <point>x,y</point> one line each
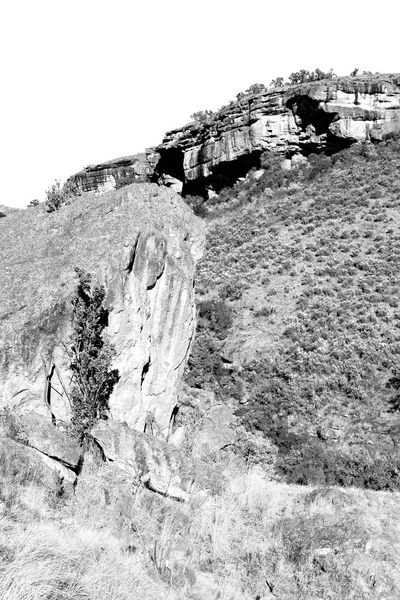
<point>32,464</point>
<point>40,433</point>
<point>158,465</point>
<point>142,243</point>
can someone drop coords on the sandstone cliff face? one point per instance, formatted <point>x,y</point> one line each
<point>114,174</point>
<point>298,119</point>
<point>142,243</point>
<point>291,120</point>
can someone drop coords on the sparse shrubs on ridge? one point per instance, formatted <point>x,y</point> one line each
<point>304,75</point>
<point>58,195</point>
<point>202,116</point>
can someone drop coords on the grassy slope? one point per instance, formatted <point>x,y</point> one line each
<point>309,265</point>
<point>109,543</point>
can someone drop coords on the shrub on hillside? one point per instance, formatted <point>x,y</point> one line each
<point>58,196</point>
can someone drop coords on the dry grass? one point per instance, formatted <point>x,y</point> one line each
<point>109,542</point>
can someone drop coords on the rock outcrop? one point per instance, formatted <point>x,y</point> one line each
<point>142,244</point>
<point>297,119</point>
<point>116,173</point>
<point>34,465</point>
<point>158,465</point>
<point>6,210</point>
<point>40,433</point>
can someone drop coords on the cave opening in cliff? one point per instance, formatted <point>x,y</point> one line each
<point>171,163</point>
<point>309,112</point>
<point>225,174</point>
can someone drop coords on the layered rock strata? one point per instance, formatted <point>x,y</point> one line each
<point>114,174</point>
<point>298,119</point>
<point>142,244</point>
<point>291,120</point>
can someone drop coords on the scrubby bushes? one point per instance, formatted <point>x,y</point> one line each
<point>58,195</point>
<point>326,257</point>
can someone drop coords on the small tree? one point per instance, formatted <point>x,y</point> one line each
<point>91,356</point>
<point>277,82</point>
<point>256,88</point>
<point>57,195</point>
<point>202,116</point>
<point>34,202</point>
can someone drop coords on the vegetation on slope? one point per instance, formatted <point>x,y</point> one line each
<point>245,537</point>
<point>321,246</point>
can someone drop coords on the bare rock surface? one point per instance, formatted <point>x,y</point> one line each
<point>160,466</point>
<point>114,174</point>
<point>142,243</point>
<point>40,433</point>
<point>36,465</point>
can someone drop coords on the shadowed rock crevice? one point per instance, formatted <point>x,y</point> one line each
<point>171,163</point>
<point>308,111</point>
<point>223,175</point>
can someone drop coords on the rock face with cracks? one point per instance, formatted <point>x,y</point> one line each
<point>142,243</point>
<point>158,465</point>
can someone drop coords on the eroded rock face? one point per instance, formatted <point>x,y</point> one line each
<point>40,433</point>
<point>142,244</point>
<point>116,173</point>
<point>328,114</point>
<point>158,465</point>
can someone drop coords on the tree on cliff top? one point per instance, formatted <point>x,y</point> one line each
<point>90,357</point>
<point>202,116</point>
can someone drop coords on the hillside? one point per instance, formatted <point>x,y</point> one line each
<point>306,262</point>
<point>248,445</point>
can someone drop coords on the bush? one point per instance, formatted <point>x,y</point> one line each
<point>92,380</point>
<point>57,195</point>
<point>202,116</point>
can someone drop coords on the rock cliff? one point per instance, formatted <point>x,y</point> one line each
<point>142,244</point>
<point>291,120</point>
<point>325,115</point>
<point>116,173</point>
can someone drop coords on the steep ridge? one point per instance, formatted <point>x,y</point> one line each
<point>142,244</point>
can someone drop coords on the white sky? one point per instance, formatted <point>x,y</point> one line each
<point>84,81</point>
